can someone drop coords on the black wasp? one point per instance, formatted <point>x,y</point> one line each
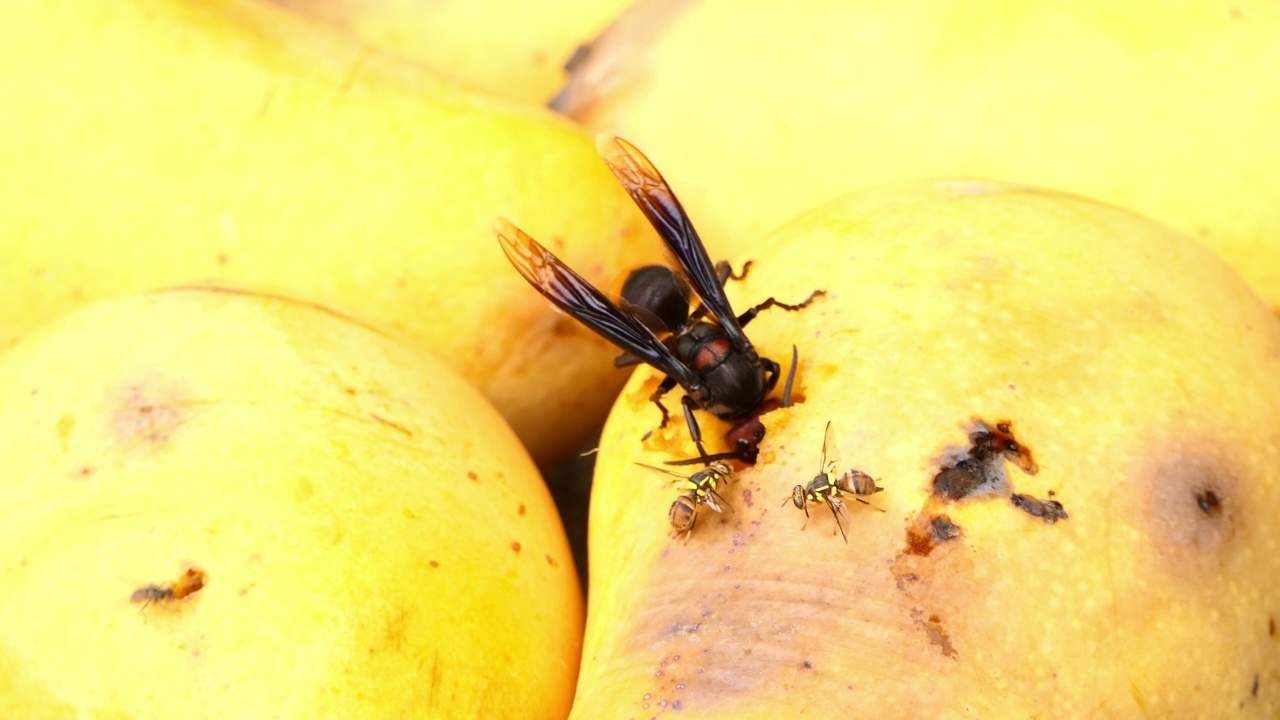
<point>706,351</point>
<point>825,487</point>
<point>700,488</point>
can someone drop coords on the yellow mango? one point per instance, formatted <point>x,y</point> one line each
<point>166,142</point>
<point>1124,566</point>
<point>374,541</point>
<point>757,110</point>
<point>513,49</point>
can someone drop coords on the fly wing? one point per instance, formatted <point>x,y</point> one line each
<point>570,292</point>
<point>658,202</point>
<point>830,453</point>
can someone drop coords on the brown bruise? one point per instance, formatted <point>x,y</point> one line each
<point>1187,491</point>
<point>928,531</point>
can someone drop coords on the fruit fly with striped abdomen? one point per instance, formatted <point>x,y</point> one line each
<point>700,488</point>
<point>827,488</point>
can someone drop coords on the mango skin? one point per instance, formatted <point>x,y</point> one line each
<point>1139,370</point>
<point>1168,110</point>
<point>168,142</point>
<point>376,541</point>
<point>514,49</point>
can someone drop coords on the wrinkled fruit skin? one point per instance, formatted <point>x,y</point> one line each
<point>222,504</point>
<point>1133,575</point>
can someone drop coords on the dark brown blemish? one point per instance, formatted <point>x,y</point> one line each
<point>1208,502</point>
<point>979,468</point>
<point>926,533</point>
<point>1051,511</point>
<point>515,547</point>
<point>1271,627</point>
<point>393,425</point>
<point>433,564</point>
<point>1254,691</point>
<point>471,475</point>
<point>520,510</point>
<point>552,561</point>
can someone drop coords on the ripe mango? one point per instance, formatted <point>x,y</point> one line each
<point>167,142</point>
<point>758,110</point>
<point>372,539</point>
<point>516,50</point>
<point>1123,566</point>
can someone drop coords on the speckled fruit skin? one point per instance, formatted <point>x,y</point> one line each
<point>375,541</point>
<point>167,142</point>
<point>757,110</point>
<point>1139,371</point>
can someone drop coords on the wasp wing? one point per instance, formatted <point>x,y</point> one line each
<point>570,292</point>
<point>658,202</point>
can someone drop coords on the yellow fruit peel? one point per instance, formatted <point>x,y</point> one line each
<point>373,539</point>
<point>1137,370</point>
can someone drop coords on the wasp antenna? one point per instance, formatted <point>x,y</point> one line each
<point>791,376</point>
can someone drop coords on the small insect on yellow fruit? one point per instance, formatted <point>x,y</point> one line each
<point>219,504</point>
<point>1061,420</point>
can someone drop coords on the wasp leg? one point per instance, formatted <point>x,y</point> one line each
<point>695,430</point>
<point>726,273</point>
<point>656,397</point>
<point>751,314</point>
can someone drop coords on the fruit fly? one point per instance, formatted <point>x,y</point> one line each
<point>826,488</point>
<point>190,582</point>
<point>700,489</point>
<point>706,351</point>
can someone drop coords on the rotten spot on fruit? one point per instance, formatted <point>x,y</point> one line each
<point>1208,502</point>
<point>980,469</point>
<point>1051,511</point>
<point>189,583</point>
<point>926,533</point>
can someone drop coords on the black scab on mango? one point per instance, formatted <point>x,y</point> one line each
<point>980,468</point>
